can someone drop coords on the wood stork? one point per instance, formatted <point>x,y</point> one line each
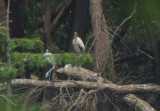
<point>78,44</point>
<point>49,57</point>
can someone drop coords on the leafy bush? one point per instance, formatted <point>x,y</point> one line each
<point>27,45</point>
<point>21,63</point>
<point>83,59</point>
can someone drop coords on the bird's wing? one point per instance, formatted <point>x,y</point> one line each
<point>80,44</point>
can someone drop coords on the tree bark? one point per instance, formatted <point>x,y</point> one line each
<point>2,13</point>
<point>102,39</point>
<point>2,20</point>
<point>9,86</point>
<point>79,20</point>
<point>48,42</point>
<point>9,94</point>
<point>8,38</point>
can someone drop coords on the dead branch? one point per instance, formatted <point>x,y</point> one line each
<point>58,11</point>
<point>77,100</point>
<point>113,36</point>
<point>54,11</point>
<point>137,103</point>
<point>55,21</point>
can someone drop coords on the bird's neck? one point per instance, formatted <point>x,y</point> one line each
<point>75,38</point>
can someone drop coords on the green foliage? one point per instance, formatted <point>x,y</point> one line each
<point>148,10</point>
<point>3,104</point>
<point>19,107</point>
<point>29,60</point>
<point>21,63</point>
<point>3,30</point>
<point>34,107</point>
<point>27,45</point>
<point>56,49</point>
<point>83,59</point>
<point>31,16</point>
<point>88,36</point>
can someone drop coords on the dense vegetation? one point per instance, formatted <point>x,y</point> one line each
<point>135,48</point>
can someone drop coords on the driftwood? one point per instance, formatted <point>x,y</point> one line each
<point>86,81</point>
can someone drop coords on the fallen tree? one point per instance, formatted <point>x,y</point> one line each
<point>83,91</point>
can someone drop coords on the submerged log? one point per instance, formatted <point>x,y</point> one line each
<point>137,103</point>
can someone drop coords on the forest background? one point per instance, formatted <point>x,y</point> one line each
<point>33,26</point>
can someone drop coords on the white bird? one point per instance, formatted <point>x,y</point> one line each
<point>78,44</point>
<point>49,57</point>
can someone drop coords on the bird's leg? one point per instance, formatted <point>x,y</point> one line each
<point>79,57</point>
<point>48,73</point>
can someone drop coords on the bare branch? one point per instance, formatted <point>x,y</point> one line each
<point>55,21</point>
<point>112,37</point>
<point>145,54</point>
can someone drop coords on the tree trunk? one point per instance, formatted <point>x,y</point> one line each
<point>16,19</point>
<point>8,38</point>
<point>79,20</point>
<point>48,42</point>
<point>102,39</point>
<point>9,88</point>
<point>2,13</point>
<point>2,20</point>
<point>9,94</point>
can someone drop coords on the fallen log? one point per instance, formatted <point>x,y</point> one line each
<point>78,73</point>
<point>122,89</point>
<point>137,104</point>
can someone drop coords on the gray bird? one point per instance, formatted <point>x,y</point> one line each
<point>49,57</point>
